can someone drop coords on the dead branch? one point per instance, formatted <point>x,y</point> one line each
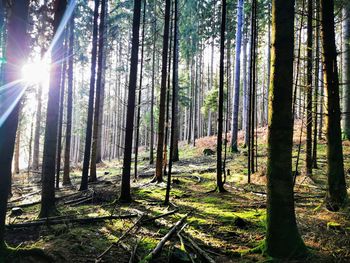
<point>88,220</point>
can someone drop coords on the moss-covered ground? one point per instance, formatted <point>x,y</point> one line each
<point>228,226</point>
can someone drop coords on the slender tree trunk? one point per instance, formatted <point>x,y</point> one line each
<point>66,170</point>
<point>346,70</point>
<point>48,206</point>
<point>61,107</point>
<point>104,31</point>
<point>173,104</point>
<point>87,151</point>
<point>336,178</point>
<point>316,86</point>
<point>125,195</point>
<point>175,99</point>
<point>154,27</point>
<point>16,51</point>
<point>161,122</point>
<point>235,106</point>
<point>17,146</point>
<point>219,181</point>
<point>36,147</point>
<point>309,90</point>
<point>282,239</point>
<point>140,91</point>
<point>99,88</point>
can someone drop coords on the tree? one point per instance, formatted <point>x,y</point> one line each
<point>66,170</point>
<point>99,88</point>
<point>235,111</point>
<point>335,172</point>
<point>346,70</point>
<point>125,195</point>
<point>163,87</point>
<point>219,181</point>
<point>88,132</point>
<point>309,89</point>
<point>282,238</point>
<point>15,53</point>
<point>48,206</point>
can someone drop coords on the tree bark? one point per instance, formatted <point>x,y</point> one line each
<point>346,70</point>
<point>16,50</point>
<point>125,195</point>
<point>99,88</point>
<point>88,132</point>
<point>48,205</point>
<point>219,181</point>
<point>161,121</point>
<point>282,239</point>
<point>66,170</point>
<point>235,105</point>
<point>309,90</point>
<point>336,178</point>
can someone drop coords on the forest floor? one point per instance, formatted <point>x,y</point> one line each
<point>227,226</point>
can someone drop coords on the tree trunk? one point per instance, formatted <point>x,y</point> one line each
<point>235,106</point>
<point>125,195</point>
<point>36,147</point>
<point>219,181</point>
<point>282,239</point>
<point>336,177</point>
<point>48,205</point>
<point>96,127</point>
<point>175,99</point>
<point>346,71</point>
<point>16,51</point>
<point>61,107</point>
<point>103,80</point>
<point>309,90</point>
<point>140,91</point>
<point>161,122</point>
<point>66,170</point>
<point>87,151</point>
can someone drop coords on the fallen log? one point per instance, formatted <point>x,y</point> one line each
<point>157,250</point>
<point>88,220</point>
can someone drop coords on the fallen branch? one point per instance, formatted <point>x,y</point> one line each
<point>133,253</point>
<point>198,249</point>
<point>157,250</point>
<point>87,199</point>
<point>98,259</point>
<point>88,220</point>
<point>160,216</point>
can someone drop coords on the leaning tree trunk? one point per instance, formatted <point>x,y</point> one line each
<point>66,170</point>
<point>282,238</point>
<point>346,71</point>
<point>99,88</point>
<point>235,109</point>
<point>161,120</point>
<point>125,195</point>
<point>48,206</point>
<point>16,50</point>
<point>336,178</point>
<point>88,132</point>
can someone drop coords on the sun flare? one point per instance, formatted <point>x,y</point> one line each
<point>36,72</point>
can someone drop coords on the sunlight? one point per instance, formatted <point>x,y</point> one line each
<point>36,72</point>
